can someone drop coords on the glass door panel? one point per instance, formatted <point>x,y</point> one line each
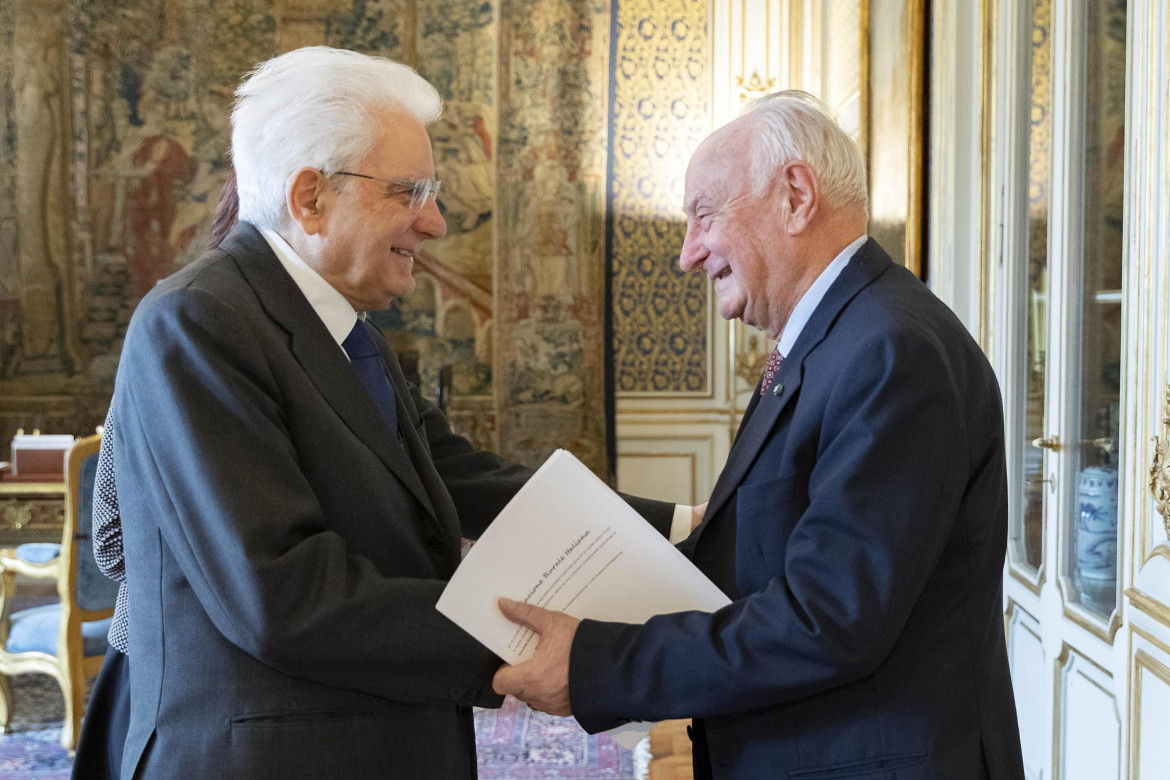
<point>1028,534</point>
<point>1093,537</point>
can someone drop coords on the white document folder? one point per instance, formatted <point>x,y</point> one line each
<point>569,543</point>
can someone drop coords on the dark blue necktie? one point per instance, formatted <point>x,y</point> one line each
<point>367,362</point>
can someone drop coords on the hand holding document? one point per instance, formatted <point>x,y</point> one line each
<point>568,543</point>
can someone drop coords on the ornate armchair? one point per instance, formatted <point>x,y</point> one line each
<point>66,640</point>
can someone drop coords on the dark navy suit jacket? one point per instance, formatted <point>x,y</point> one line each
<point>859,526</point>
<point>284,551</point>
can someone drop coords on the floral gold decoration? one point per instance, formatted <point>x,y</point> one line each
<point>755,87</point>
<point>1160,467</point>
<point>749,366</point>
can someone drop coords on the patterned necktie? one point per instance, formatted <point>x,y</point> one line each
<point>774,361</point>
<point>367,362</point>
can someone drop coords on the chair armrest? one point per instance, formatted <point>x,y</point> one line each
<point>39,571</point>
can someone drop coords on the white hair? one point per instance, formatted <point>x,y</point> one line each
<point>794,125</point>
<point>315,107</point>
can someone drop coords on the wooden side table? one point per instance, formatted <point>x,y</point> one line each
<point>31,510</point>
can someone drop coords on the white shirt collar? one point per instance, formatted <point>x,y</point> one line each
<point>812,296</point>
<point>331,306</point>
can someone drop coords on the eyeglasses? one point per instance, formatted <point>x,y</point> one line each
<point>421,190</point>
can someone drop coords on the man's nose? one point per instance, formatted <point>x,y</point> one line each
<point>430,220</point>
<point>692,254</point>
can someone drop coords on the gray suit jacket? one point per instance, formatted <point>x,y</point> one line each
<point>284,551</point>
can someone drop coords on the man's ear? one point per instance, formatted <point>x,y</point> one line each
<point>802,195</point>
<point>304,200</point>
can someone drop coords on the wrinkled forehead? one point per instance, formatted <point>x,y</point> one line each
<point>719,165</point>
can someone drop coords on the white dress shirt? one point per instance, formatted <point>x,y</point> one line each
<point>811,299</point>
<point>331,306</point>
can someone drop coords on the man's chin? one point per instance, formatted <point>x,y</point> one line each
<point>404,288</point>
<point>729,310</point>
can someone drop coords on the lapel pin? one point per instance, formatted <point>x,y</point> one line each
<point>777,390</point>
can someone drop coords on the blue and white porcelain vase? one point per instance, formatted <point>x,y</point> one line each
<point>1096,538</point>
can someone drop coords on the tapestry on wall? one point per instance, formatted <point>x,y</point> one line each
<point>553,78</point>
<point>114,142</point>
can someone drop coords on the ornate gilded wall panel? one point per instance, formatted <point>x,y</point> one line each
<point>1159,475</point>
<point>660,111</point>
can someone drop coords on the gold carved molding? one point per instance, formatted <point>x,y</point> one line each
<point>1149,605</point>
<point>1096,624</point>
<point>754,88</point>
<point>749,365</point>
<point>30,518</point>
<point>1143,661</point>
<point>1160,466</point>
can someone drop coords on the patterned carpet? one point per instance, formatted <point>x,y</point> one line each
<point>33,749</point>
<point>514,743</point>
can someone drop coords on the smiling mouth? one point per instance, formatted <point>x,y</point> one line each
<point>404,252</point>
<point>726,272</point>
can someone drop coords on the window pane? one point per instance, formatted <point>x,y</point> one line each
<point>1094,536</point>
<point>1028,534</point>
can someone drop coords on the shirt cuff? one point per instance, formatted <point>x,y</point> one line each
<point>680,526</point>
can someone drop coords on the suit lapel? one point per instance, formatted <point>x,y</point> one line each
<point>865,266</point>
<point>753,402</point>
<point>319,355</point>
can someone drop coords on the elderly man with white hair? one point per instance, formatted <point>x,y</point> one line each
<point>290,506</point>
<point>860,522</point>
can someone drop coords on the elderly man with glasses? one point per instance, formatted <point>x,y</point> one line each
<point>290,506</point>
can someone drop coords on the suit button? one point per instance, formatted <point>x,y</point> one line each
<point>436,544</point>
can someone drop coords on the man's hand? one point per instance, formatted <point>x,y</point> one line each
<point>697,513</point>
<point>543,680</point>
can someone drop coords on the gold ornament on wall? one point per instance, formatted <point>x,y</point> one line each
<point>749,366</point>
<point>1160,467</point>
<point>754,88</point>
